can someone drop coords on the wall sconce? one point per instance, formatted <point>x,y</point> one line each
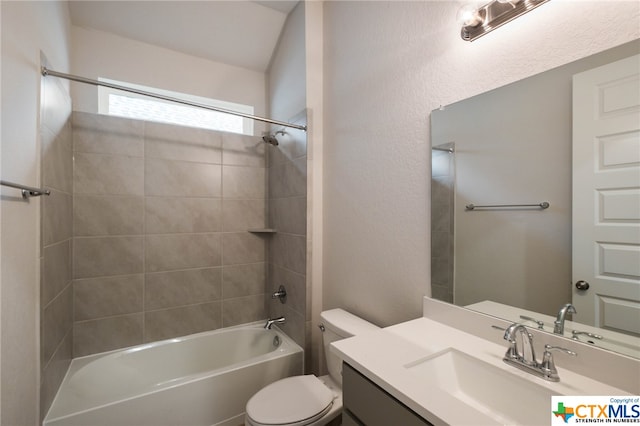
<point>476,22</point>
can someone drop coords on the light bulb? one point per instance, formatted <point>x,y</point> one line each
<point>468,16</point>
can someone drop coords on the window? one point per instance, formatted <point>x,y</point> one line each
<point>131,105</point>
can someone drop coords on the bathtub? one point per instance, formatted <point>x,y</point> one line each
<point>202,379</point>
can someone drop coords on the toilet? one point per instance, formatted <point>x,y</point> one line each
<point>308,400</point>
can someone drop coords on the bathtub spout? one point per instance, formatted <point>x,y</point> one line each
<point>270,322</point>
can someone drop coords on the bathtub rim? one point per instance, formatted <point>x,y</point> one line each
<point>87,359</point>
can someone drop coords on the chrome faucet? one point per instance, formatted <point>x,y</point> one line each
<point>558,324</point>
<point>271,321</point>
<point>525,359</point>
<point>527,354</point>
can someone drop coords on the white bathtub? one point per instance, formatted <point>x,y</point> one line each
<point>202,379</point>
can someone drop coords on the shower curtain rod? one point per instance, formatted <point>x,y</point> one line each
<point>47,72</point>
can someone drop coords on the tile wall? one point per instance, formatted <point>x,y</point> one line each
<point>56,291</point>
<point>160,241</point>
<point>287,248</point>
<point>442,223</point>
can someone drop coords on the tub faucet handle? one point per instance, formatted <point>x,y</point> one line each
<point>280,294</point>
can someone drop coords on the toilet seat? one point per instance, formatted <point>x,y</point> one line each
<point>294,401</point>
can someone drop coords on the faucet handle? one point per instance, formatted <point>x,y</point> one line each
<point>576,333</point>
<point>548,348</point>
<point>280,294</point>
<point>540,323</point>
<point>548,366</point>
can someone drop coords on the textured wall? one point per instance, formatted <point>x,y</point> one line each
<point>387,65</point>
<point>101,54</point>
<point>160,217</point>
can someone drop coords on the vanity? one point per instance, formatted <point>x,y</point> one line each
<point>439,370</point>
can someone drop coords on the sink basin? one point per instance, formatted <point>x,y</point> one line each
<point>487,389</point>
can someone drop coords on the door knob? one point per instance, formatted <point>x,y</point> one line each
<point>582,285</point>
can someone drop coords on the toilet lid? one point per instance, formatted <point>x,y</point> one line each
<point>290,400</point>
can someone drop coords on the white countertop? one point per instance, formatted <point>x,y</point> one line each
<point>383,355</point>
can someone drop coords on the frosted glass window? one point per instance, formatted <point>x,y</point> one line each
<point>131,105</point>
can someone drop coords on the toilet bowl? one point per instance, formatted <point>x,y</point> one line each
<point>308,400</point>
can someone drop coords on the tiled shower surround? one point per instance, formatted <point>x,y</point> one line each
<point>56,290</point>
<point>287,248</point>
<point>160,241</point>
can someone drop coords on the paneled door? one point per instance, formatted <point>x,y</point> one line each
<point>606,196</point>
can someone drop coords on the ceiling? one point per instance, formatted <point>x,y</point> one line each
<point>236,32</point>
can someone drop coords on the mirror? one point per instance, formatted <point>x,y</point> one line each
<point>512,148</point>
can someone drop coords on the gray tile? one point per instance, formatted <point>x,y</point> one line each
<point>288,179</point>
<point>291,146</point>
<point>101,174</point>
<point>243,310</point>
<point>56,217</point>
<point>182,251</point>
<point>102,297</point>
<point>294,326</point>
<point>441,293</point>
<point>241,215</point>
<point>243,247</point>
<point>56,270</point>
<point>107,215</point>
<point>441,271</point>
<point>289,215</point>
<point>104,134</point>
<point>242,150</point>
<point>243,280</point>
<point>57,159</point>
<point>441,190</point>
<point>175,322</point>
<point>172,142</point>
<point>243,182</point>
<point>57,321</point>
<point>440,243</point>
<point>289,252</point>
<point>107,256</point>
<point>182,179</point>
<point>54,371</point>
<point>94,336</point>
<point>171,215</point>
<point>441,218</point>
<point>295,285</point>
<point>179,288</point>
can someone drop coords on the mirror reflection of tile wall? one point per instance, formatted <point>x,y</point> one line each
<point>442,210</point>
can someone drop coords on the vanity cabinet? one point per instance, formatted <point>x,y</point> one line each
<point>365,403</point>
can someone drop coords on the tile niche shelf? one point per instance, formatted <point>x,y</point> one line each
<point>262,230</point>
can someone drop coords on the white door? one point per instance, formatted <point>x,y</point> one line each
<point>606,196</point>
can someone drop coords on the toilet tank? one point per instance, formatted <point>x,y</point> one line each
<point>340,324</point>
